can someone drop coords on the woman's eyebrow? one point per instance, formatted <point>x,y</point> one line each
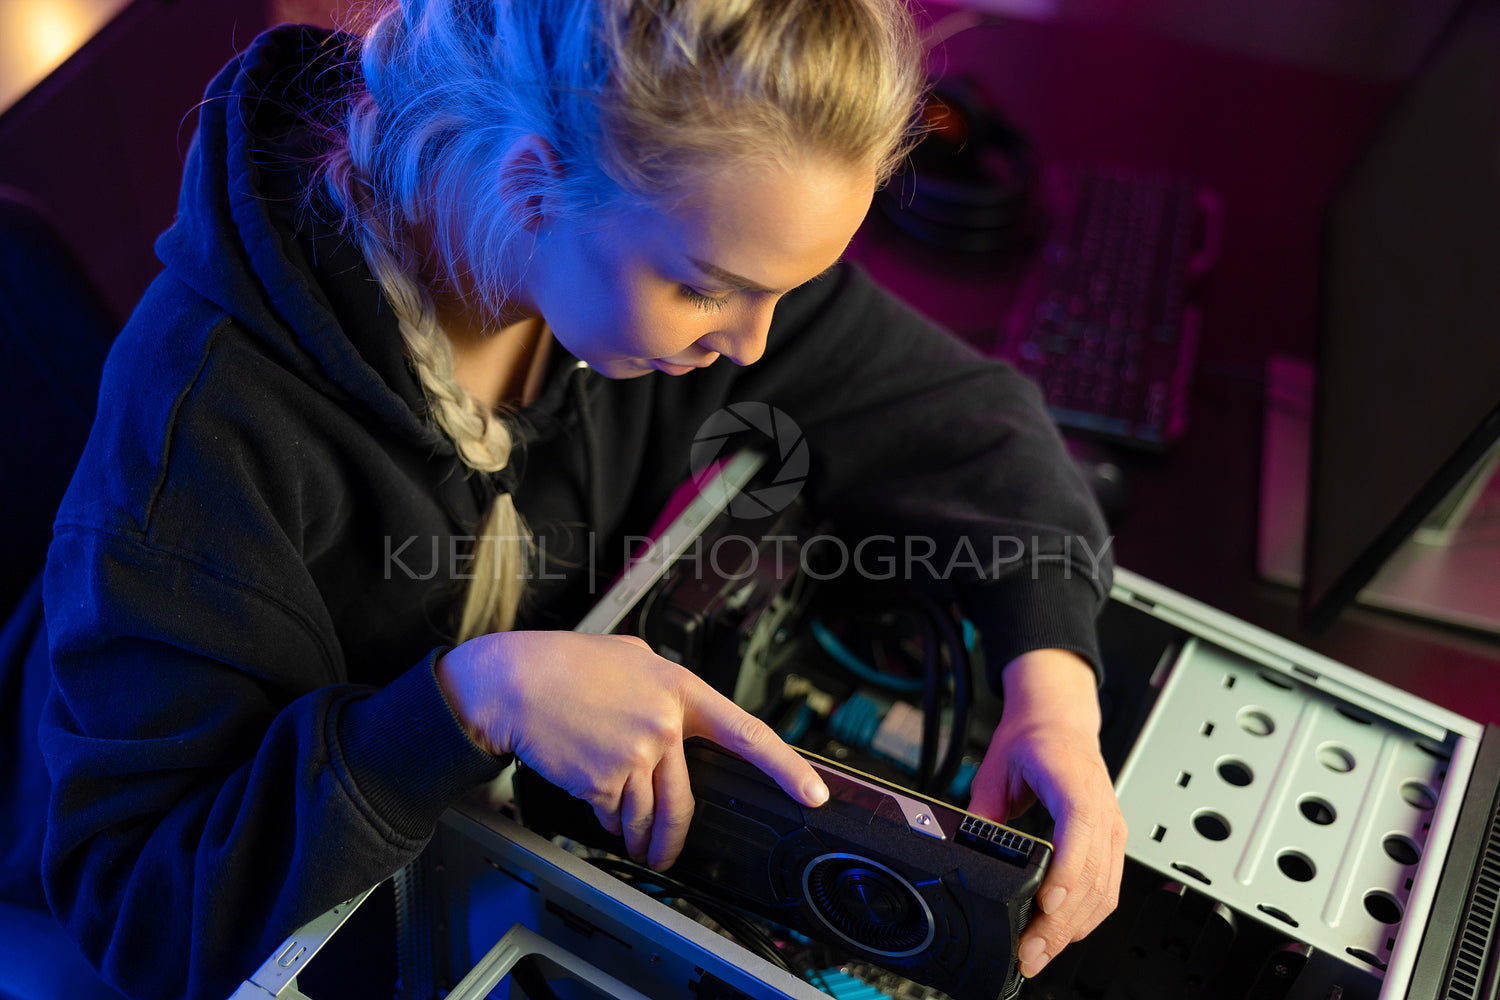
<point>739,282</point>
<point>729,278</point>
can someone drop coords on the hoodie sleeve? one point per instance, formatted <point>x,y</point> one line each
<point>198,796</point>
<point>943,463</point>
<point>217,778</point>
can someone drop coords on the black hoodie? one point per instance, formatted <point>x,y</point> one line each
<point>244,726</point>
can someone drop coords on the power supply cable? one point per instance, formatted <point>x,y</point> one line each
<point>932,699</point>
<point>941,618</point>
<point>663,887</point>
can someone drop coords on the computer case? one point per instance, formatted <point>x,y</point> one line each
<point>1298,831</point>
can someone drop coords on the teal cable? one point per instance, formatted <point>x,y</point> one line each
<point>835,648</point>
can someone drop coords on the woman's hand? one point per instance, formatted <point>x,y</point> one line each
<point>604,717</point>
<point>1047,747</point>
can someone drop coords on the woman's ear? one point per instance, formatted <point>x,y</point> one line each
<point>529,177</point>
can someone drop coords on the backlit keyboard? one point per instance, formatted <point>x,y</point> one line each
<point>1106,325</point>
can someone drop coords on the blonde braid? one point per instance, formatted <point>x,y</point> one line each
<point>484,442</point>
<point>483,439</point>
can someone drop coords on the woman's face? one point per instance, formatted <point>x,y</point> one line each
<point>670,290</point>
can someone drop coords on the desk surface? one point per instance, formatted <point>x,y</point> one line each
<point>1272,140</point>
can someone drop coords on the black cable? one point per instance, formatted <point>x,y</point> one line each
<point>963,697</point>
<point>932,700</point>
<point>660,886</point>
<point>738,927</point>
<point>938,632</point>
<point>963,685</point>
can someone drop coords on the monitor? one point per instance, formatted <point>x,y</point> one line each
<point>1407,399</point>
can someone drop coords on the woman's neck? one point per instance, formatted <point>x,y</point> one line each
<point>497,367</point>
<point>499,361</point>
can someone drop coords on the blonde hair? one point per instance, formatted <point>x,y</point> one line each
<point>634,98</point>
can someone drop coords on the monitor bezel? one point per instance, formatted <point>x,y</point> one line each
<point>1320,609</point>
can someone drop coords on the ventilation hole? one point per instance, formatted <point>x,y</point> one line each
<point>1207,729</point>
<point>1383,906</point>
<point>1276,680</point>
<point>1354,714</point>
<point>1317,810</point>
<point>1402,849</point>
<point>1335,758</point>
<point>1157,832</point>
<point>1366,957</point>
<point>1418,795</point>
<point>1236,771</point>
<point>1192,872</point>
<point>1229,680</point>
<point>1281,915</point>
<point>1211,825</point>
<point>1296,866</point>
<point>1432,749</point>
<point>1255,722</point>
<point>1183,778</point>
<point>1408,885</point>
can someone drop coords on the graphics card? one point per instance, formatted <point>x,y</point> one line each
<point>913,885</point>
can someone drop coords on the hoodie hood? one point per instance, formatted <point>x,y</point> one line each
<point>257,235</point>
<point>249,238</point>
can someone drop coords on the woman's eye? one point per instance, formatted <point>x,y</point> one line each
<point>707,303</point>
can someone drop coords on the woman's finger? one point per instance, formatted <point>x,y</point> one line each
<point>708,713</point>
<point>1099,882</point>
<point>637,813</point>
<point>608,813</point>
<point>1116,853</point>
<point>1081,887</point>
<point>674,808</point>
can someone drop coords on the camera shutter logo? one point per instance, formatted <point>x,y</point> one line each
<point>789,448</point>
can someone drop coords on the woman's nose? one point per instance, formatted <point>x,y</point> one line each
<point>744,342</point>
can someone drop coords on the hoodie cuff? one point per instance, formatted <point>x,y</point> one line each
<point>1045,607</point>
<point>406,752</point>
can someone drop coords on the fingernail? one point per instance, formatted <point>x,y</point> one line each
<point>815,792</point>
<point>1032,956</point>
<point>1053,898</point>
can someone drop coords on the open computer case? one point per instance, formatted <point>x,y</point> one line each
<point>1298,831</point>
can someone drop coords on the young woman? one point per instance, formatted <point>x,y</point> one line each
<point>448,297</point>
